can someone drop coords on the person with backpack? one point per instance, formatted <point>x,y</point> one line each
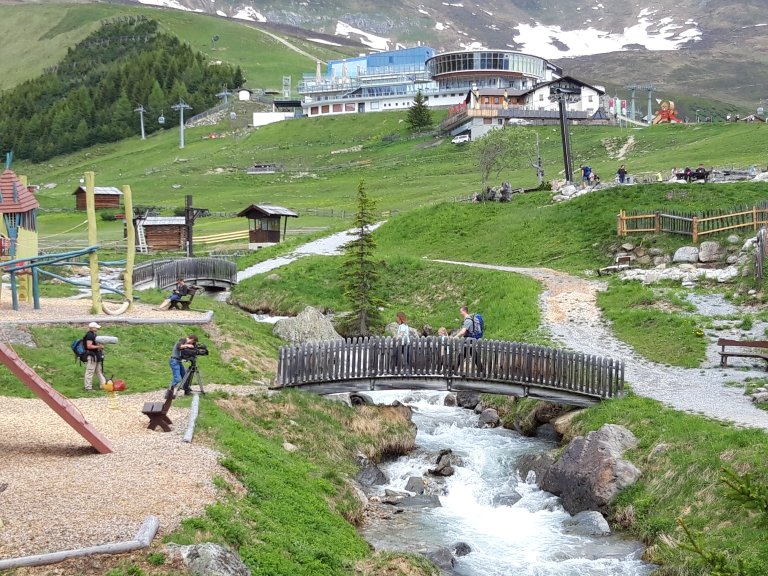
<point>471,329</point>
<point>94,357</point>
<point>586,173</point>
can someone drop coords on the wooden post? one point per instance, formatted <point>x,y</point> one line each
<point>695,228</point>
<point>657,222</point>
<point>754,217</point>
<point>90,206</point>
<point>620,223</point>
<point>131,244</point>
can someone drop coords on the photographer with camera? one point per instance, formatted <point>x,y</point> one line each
<point>181,351</point>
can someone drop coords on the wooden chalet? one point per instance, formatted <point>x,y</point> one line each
<point>103,196</point>
<point>161,232</point>
<point>264,223</point>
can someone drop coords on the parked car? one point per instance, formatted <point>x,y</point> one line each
<point>460,139</point>
<point>518,122</point>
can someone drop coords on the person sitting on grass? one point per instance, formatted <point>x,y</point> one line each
<point>181,290</point>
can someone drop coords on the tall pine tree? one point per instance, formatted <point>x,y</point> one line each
<point>360,273</point>
<point>419,116</point>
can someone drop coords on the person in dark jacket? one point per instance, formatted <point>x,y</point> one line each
<point>94,353</point>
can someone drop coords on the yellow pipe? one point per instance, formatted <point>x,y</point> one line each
<point>131,249</point>
<point>90,208</point>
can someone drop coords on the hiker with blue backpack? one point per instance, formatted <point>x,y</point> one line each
<point>94,357</point>
<point>472,328</point>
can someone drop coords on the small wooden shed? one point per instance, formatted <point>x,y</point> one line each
<point>162,232</point>
<point>103,196</point>
<point>264,224</point>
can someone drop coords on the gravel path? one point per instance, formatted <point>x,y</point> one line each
<point>570,314</point>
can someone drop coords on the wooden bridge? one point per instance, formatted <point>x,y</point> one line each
<point>207,272</point>
<point>435,363</point>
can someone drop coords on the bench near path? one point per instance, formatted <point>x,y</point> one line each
<point>570,313</point>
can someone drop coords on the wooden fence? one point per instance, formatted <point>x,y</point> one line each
<point>493,366</point>
<point>164,273</point>
<point>760,253</point>
<point>694,225</point>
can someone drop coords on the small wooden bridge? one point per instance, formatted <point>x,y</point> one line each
<point>496,367</point>
<point>207,272</point>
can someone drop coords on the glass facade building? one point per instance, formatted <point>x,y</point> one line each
<point>488,69</point>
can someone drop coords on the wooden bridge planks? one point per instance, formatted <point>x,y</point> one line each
<point>496,363</point>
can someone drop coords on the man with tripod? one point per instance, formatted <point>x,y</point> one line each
<point>177,368</point>
<point>94,354</point>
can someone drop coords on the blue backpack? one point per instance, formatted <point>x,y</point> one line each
<point>78,348</point>
<point>478,326</point>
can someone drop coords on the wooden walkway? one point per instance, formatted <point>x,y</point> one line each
<point>208,272</point>
<point>509,368</point>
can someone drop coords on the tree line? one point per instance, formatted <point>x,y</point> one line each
<point>91,95</point>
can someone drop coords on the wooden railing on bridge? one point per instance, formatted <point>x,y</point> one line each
<point>195,270</point>
<point>498,367</point>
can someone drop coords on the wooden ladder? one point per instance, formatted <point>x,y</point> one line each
<point>142,245</point>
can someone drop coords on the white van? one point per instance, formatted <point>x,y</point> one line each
<point>518,122</point>
<point>460,139</point>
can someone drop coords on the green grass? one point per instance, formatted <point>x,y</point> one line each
<point>428,293</point>
<point>681,456</point>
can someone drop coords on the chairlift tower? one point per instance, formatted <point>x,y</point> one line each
<point>141,111</point>
<point>564,92</point>
<point>181,106</point>
<point>224,94</point>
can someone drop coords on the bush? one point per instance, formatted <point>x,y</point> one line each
<point>108,215</point>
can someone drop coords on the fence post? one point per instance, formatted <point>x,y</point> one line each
<point>657,222</point>
<point>754,217</point>
<point>695,224</point>
<point>620,223</point>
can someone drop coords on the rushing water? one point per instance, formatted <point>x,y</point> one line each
<point>527,538</point>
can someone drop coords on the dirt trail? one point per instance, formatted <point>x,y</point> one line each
<point>570,314</point>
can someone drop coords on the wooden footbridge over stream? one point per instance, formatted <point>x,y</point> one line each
<point>439,363</point>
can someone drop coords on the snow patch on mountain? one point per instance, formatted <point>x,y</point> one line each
<point>249,13</point>
<point>553,42</point>
<point>375,42</point>
<point>168,4</point>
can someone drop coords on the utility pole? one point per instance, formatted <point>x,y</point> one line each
<point>141,111</point>
<point>631,88</point>
<point>181,106</point>
<point>224,94</point>
<point>564,92</point>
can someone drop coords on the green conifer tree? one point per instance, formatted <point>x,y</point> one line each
<point>360,272</point>
<point>419,116</point>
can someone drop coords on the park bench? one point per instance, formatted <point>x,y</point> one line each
<point>184,302</point>
<point>158,412</point>
<point>620,263</point>
<point>693,176</point>
<point>742,349</point>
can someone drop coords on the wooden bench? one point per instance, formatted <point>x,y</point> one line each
<point>158,412</point>
<point>184,302</point>
<point>743,349</point>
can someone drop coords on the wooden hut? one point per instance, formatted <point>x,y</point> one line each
<point>161,233</point>
<point>104,197</point>
<point>264,224</point>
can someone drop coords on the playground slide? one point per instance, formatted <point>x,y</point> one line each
<point>59,403</point>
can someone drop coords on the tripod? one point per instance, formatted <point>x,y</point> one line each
<point>191,372</point>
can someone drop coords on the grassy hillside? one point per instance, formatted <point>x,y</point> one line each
<point>42,34</point>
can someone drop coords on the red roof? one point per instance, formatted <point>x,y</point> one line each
<point>24,201</point>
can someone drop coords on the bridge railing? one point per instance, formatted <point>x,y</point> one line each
<point>450,358</point>
<point>195,269</point>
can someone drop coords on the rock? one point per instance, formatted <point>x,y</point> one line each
<point>415,484</point>
<point>732,259</point>
<point>760,397</point>
<point>588,523</point>
<point>446,460</point>
<point>461,549</point>
<point>563,423</point>
<point>733,239</point>
<point>644,260</point>
<point>442,558</point>
<point>656,252</point>
<point>467,399</point>
<point>309,326</point>
<point>710,252</point>
<point>660,448</point>
<point>547,432</point>
<point>450,400</point>
<point>369,474</point>
<point>506,499</point>
<point>489,418</point>
<point>628,247</point>
<point>539,464</point>
<point>590,473</point>
<point>420,501</point>
<point>288,447</point>
<point>209,559</point>
<point>686,254</point>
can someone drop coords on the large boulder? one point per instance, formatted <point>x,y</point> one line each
<point>710,252</point>
<point>309,326</point>
<point>369,473</point>
<point>467,399</point>
<point>207,559</point>
<point>591,471</point>
<point>686,254</point>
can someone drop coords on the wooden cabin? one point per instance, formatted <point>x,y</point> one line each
<point>264,224</point>
<point>18,226</point>
<point>161,232</point>
<point>103,197</point>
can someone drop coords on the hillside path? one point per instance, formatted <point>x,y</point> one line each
<point>570,314</point>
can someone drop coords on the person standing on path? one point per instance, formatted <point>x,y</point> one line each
<point>402,341</point>
<point>177,368</point>
<point>622,174</point>
<point>94,357</point>
<point>467,332</point>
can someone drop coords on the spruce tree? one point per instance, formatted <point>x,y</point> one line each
<point>419,116</point>
<point>360,272</point>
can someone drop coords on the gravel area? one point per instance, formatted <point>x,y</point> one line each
<point>78,311</point>
<point>570,314</point>
<point>57,493</point>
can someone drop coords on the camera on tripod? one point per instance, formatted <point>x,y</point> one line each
<point>192,353</point>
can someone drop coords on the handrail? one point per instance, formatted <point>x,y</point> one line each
<point>512,368</point>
